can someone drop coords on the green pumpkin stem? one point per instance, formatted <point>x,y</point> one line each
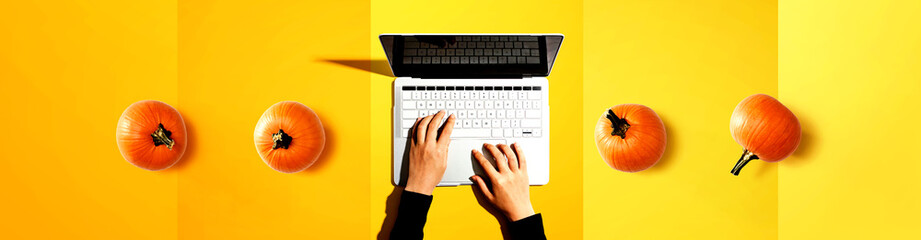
<point>162,136</point>
<point>746,157</point>
<point>619,125</point>
<point>282,140</point>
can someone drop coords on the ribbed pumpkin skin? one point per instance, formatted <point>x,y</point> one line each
<point>136,145</point>
<point>305,129</point>
<point>641,147</point>
<point>765,127</point>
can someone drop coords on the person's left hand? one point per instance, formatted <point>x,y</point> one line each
<point>428,153</point>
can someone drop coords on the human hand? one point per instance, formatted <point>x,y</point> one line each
<point>510,192</point>
<point>428,153</point>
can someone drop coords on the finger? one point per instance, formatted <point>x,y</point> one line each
<point>512,157</point>
<point>522,163</point>
<point>482,186</point>
<point>487,167</point>
<point>501,161</point>
<point>423,127</point>
<point>414,129</point>
<point>432,130</point>
<point>445,138</point>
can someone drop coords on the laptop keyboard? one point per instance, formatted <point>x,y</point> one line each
<point>472,50</point>
<point>481,111</point>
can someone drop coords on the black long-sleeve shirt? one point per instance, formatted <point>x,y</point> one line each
<point>414,208</point>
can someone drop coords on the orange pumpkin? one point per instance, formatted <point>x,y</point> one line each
<point>289,137</point>
<point>151,135</point>
<point>630,137</point>
<point>765,128</point>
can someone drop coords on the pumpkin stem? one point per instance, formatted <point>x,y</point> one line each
<point>746,157</point>
<point>162,136</point>
<point>619,125</point>
<point>282,140</point>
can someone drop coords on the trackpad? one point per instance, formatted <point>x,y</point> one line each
<point>461,164</point>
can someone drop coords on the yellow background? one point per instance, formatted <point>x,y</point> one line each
<point>691,62</point>
<point>852,75</point>
<point>850,72</point>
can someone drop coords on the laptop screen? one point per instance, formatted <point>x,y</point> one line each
<point>471,56</point>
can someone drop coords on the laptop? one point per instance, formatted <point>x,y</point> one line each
<point>495,84</point>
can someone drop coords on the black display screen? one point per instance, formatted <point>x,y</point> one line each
<point>466,56</point>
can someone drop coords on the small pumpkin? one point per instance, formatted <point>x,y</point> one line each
<point>289,137</point>
<point>766,128</point>
<point>151,135</point>
<point>630,137</point>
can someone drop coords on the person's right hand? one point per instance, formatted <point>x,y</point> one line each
<point>509,182</point>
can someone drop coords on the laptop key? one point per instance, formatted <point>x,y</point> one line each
<point>530,45</point>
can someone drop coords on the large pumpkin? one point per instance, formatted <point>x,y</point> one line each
<point>151,135</point>
<point>765,128</point>
<point>289,137</point>
<point>630,137</point>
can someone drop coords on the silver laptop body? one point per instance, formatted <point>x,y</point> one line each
<point>500,97</point>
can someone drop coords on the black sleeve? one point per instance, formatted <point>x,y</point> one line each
<point>527,228</point>
<point>411,216</point>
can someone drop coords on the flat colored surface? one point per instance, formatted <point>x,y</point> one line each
<point>69,68</point>
<point>236,60</point>
<point>851,73</point>
<point>67,71</point>
<point>72,68</point>
<point>691,62</point>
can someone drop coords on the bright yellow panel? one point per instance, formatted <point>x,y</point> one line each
<point>455,212</point>
<point>850,72</point>
<point>237,59</point>
<point>691,62</point>
<point>67,71</point>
